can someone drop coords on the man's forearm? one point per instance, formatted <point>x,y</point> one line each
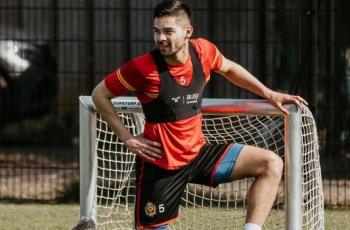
<point>241,77</point>
<point>105,108</point>
<point>144,148</point>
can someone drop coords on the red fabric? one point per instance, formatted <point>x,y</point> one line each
<point>181,140</point>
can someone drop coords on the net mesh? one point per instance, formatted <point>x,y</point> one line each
<point>204,207</point>
<point>313,210</point>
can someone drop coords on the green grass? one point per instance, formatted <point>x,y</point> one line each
<point>337,218</point>
<point>38,216</point>
<point>63,216</point>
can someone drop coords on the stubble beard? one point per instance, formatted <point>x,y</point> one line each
<point>173,54</point>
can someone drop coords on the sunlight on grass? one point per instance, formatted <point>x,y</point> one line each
<point>38,216</point>
<point>63,216</point>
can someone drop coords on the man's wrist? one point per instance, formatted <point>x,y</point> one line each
<point>268,94</point>
<point>125,137</point>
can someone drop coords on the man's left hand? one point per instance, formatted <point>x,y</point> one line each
<point>279,99</point>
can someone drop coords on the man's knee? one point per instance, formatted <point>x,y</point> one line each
<point>273,165</point>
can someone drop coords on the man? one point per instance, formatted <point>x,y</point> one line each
<point>172,152</point>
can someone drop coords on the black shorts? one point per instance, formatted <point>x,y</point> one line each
<point>159,191</point>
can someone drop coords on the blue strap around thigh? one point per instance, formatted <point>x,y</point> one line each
<point>224,170</point>
<point>164,227</point>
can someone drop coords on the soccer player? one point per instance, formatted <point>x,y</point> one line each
<point>169,82</point>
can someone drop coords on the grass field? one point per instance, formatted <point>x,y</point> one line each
<point>54,216</point>
<point>38,216</point>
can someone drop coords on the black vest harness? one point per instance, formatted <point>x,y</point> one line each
<point>176,102</point>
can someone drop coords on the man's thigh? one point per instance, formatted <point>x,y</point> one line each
<point>203,167</point>
<point>158,195</point>
<point>252,161</point>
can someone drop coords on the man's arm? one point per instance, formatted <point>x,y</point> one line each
<point>241,77</point>
<point>147,149</point>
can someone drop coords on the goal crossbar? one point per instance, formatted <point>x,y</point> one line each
<point>294,198</point>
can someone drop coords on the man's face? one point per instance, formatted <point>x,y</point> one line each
<point>171,34</point>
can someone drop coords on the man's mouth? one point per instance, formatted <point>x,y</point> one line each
<point>162,46</point>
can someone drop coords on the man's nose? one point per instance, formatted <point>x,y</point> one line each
<point>161,37</point>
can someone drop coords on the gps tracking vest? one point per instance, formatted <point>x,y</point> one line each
<point>176,102</point>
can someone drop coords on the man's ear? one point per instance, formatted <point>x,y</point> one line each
<point>189,32</point>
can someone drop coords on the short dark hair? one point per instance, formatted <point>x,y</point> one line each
<point>171,8</point>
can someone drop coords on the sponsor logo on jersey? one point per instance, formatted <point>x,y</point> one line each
<point>175,99</point>
<point>192,98</point>
<point>188,99</point>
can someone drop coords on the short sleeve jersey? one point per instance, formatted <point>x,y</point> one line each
<point>181,140</point>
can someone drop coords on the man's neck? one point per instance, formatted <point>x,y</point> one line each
<point>179,57</point>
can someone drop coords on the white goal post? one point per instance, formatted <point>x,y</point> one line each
<point>107,173</point>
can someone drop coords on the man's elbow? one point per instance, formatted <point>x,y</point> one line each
<point>95,94</point>
<point>100,92</point>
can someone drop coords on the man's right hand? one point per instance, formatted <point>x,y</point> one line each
<point>144,148</point>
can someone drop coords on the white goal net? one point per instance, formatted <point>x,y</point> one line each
<point>108,175</point>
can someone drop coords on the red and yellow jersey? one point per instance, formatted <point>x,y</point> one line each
<point>181,140</point>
